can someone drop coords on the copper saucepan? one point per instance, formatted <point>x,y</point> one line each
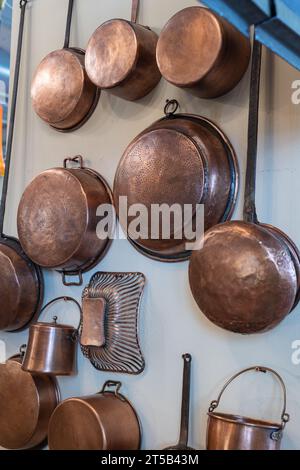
<point>232,432</point>
<point>58,221</point>
<point>202,52</point>
<point>104,421</point>
<point>120,57</point>
<point>62,94</point>
<point>246,276</point>
<point>52,347</point>
<point>27,403</point>
<point>180,160</point>
<point>21,281</point>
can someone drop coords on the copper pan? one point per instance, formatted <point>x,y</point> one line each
<point>120,57</point>
<point>104,421</point>
<point>202,52</point>
<point>27,402</point>
<point>21,281</point>
<point>57,219</point>
<point>180,159</point>
<point>62,94</point>
<point>246,276</point>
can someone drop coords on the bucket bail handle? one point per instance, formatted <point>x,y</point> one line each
<point>285,417</point>
<point>66,299</point>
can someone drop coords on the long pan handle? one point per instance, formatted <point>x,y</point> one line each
<point>185,406</point>
<point>249,201</point>
<point>23,4</point>
<point>68,25</point>
<point>135,10</point>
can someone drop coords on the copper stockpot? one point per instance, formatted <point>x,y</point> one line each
<point>62,94</point>
<point>104,421</point>
<point>202,52</point>
<point>52,347</point>
<point>233,432</point>
<point>27,402</point>
<point>246,277</point>
<point>180,159</point>
<point>57,219</point>
<point>120,57</point>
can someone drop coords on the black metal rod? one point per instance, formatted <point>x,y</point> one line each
<point>23,4</point>
<point>68,26</point>
<point>185,405</point>
<point>249,200</point>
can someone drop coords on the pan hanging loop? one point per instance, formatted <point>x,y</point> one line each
<point>113,383</point>
<point>23,3</point>
<point>77,159</point>
<point>171,107</point>
<point>22,350</point>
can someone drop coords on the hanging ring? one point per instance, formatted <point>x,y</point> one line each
<point>171,107</point>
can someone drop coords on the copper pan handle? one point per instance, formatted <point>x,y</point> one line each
<point>285,417</point>
<point>77,159</point>
<point>135,10</point>
<point>66,299</point>
<point>68,25</point>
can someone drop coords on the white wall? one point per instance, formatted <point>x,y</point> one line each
<point>171,323</point>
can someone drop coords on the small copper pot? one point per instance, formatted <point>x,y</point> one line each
<point>27,402</point>
<point>202,52</point>
<point>232,432</point>
<point>52,347</point>
<point>105,421</point>
<point>120,58</point>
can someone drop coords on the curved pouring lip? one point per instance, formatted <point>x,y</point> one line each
<point>245,421</point>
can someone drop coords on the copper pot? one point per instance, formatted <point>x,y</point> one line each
<point>57,219</point>
<point>233,432</point>
<point>120,58</point>
<point>52,347</point>
<point>202,52</point>
<point>27,402</point>
<point>246,277</point>
<point>105,421</point>
<point>180,159</point>
<point>62,94</point>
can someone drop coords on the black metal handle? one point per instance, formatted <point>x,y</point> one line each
<point>112,383</point>
<point>72,283</point>
<point>77,159</point>
<point>185,405</point>
<point>66,299</point>
<point>68,25</point>
<point>23,4</point>
<point>249,199</point>
<point>171,107</point>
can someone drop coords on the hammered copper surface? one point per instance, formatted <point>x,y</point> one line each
<point>251,285</point>
<point>57,218</point>
<point>200,51</point>
<point>27,402</point>
<point>61,92</point>
<point>120,57</point>
<point>104,421</point>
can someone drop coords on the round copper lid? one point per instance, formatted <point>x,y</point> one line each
<point>57,86</point>
<point>111,53</point>
<point>19,410</point>
<point>52,216</point>
<point>189,46</point>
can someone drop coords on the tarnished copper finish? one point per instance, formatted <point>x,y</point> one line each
<point>105,421</point>
<point>202,52</point>
<point>180,159</point>
<point>27,402</point>
<point>120,57</point>
<point>52,347</point>
<point>57,218</point>
<point>234,432</point>
<point>109,337</point>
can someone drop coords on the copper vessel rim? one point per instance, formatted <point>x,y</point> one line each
<point>50,325</point>
<point>244,420</point>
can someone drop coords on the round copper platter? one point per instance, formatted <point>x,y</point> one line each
<point>186,172</point>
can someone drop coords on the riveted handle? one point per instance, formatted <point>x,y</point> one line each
<point>66,299</point>
<point>77,159</point>
<point>285,417</point>
<point>135,10</point>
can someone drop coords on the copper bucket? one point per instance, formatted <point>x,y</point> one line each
<point>52,347</point>
<point>233,432</point>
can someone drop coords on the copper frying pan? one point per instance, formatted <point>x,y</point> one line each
<point>62,94</point>
<point>21,281</point>
<point>246,277</point>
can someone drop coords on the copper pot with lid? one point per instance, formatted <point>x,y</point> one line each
<point>104,421</point>
<point>233,432</point>
<point>120,57</point>
<point>62,94</point>
<point>202,52</point>
<point>52,347</point>
<point>246,277</point>
<point>27,403</point>
<point>179,160</point>
<point>58,221</point>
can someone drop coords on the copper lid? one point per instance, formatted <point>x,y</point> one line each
<point>111,53</point>
<point>189,46</point>
<point>57,86</point>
